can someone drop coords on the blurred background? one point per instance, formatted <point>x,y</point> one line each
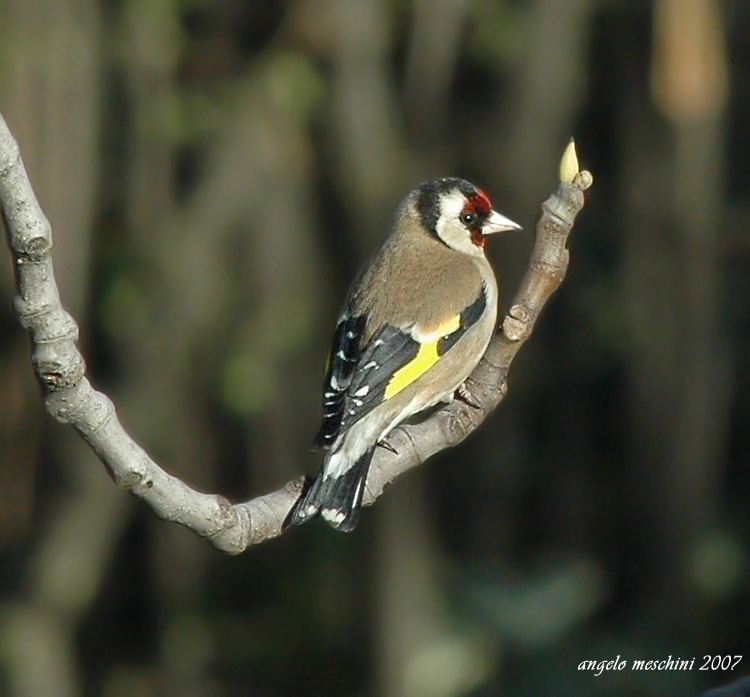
<point>215,172</point>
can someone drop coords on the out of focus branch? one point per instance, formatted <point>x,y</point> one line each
<point>70,398</point>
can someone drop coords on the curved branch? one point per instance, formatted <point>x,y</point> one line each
<point>70,398</point>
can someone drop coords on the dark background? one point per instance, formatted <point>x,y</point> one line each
<point>215,172</point>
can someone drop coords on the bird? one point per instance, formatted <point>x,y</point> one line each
<point>416,321</point>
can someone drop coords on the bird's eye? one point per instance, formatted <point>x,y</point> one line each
<point>467,218</point>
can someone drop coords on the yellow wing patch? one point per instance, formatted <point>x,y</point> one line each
<point>426,357</point>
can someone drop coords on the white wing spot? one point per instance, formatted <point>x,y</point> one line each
<point>359,488</point>
<point>371,364</point>
<point>333,515</point>
<point>362,391</point>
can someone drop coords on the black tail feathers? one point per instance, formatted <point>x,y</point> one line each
<point>337,499</point>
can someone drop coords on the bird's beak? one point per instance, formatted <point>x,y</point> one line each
<point>498,223</point>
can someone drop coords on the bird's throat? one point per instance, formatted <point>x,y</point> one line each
<point>478,238</point>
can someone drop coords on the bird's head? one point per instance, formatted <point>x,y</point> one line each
<point>459,214</point>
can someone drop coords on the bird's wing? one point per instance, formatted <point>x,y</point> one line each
<point>359,378</point>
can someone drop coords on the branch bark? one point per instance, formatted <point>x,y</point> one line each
<point>70,398</point>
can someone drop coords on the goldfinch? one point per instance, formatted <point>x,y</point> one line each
<point>417,320</point>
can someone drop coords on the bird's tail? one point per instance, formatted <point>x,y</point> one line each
<point>338,499</point>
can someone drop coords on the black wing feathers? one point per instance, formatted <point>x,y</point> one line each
<point>358,376</point>
<point>468,317</point>
<point>365,382</point>
<point>345,353</point>
<point>389,349</point>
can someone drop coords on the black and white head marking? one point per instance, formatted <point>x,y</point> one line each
<point>459,214</point>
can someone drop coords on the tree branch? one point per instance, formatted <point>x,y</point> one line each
<point>70,398</point>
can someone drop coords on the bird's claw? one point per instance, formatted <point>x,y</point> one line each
<point>388,446</point>
<point>466,397</point>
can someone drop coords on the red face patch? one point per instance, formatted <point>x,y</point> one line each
<point>477,204</point>
<point>481,201</point>
<point>477,238</point>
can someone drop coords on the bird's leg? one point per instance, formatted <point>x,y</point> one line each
<point>466,397</point>
<point>388,445</point>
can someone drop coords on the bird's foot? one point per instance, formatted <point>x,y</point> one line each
<point>388,445</point>
<point>466,397</point>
